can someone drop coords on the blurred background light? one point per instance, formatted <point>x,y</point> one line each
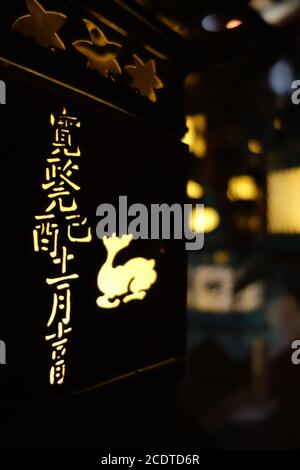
<point>221,257</point>
<point>211,290</point>
<point>234,23</point>
<point>255,146</point>
<point>281,77</point>
<point>204,221</point>
<point>213,23</point>
<point>283,201</point>
<point>242,188</point>
<point>277,123</point>
<point>194,137</point>
<point>194,190</point>
<point>275,12</point>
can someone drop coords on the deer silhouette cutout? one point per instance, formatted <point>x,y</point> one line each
<point>129,281</point>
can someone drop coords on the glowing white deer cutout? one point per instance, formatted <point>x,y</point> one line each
<point>130,280</point>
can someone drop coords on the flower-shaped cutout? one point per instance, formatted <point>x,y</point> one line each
<point>101,53</point>
<point>144,77</point>
<point>41,25</point>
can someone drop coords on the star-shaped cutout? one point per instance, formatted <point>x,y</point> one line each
<point>101,53</point>
<point>145,78</point>
<point>41,25</point>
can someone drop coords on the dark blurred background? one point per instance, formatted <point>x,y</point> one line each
<point>241,60</point>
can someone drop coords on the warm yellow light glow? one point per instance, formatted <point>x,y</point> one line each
<point>48,235</point>
<point>124,282</point>
<point>283,205</point>
<point>234,23</point>
<point>204,221</point>
<point>221,257</point>
<point>242,188</point>
<point>199,122</point>
<point>255,223</point>
<point>41,25</point>
<point>194,190</point>
<point>243,221</point>
<point>194,137</point>
<point>144,77</point>
<point>277,124</point>
<point>100,52</point>
<point>255,146</point>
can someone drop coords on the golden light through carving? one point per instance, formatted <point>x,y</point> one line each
<point>56,230</point>
<point>144,77</point>
<point>124,282</point>
<point>41,25</point>
<point>100,52</point>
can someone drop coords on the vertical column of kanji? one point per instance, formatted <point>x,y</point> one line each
<point>56,229</point>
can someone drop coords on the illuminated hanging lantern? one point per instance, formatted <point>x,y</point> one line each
<point>91,105</point>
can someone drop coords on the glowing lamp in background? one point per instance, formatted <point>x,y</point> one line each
<point>281,76</point>
<point>194,190</point>
<point>242,188</point>
<point>277,123</point>
<point>211,290</point>
<point>283,205</point>
<point>213,23</point>
<point>234,23</point>
<point>255,146</point>
<point>194,137</point>
<point>217,22</point>
<point>205,221</point>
